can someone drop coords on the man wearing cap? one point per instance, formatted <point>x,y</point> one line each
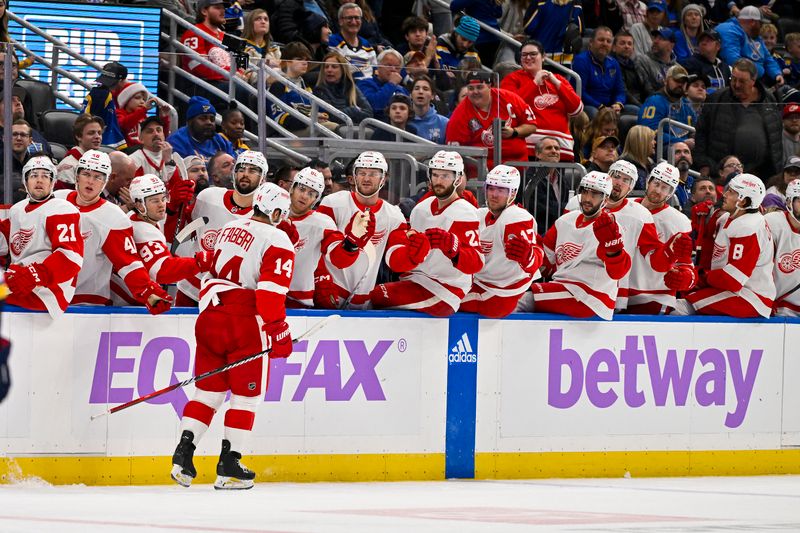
<point>604,153</point>
<point>741,38</point>
<point>385,82</point>
<point>100,102</point>
<point>199,136</point>
<point>697,91</point>
<point>670,102</point>
<point>156,155</point>
<point>791,131</point>
<point>706,61</point>
<point>471,122</point>
<point>398,113</point>
<point>641,31</point>
<point>453,47</point>
<point>653,66</point>
<point>601,75</point>
<point>211,20</point>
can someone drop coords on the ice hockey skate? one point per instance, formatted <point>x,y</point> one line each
<point>183,471</point>
<point>231,474</point>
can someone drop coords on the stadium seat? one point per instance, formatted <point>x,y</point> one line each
<point>59,150</point>
<point>40,99</point>
<point>57,126</point>
<point>626,122</point>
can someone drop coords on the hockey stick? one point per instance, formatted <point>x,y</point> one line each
<point>188,230</point>
<point>369,249</point>
<point>184,173</point>
<point>309,333</point>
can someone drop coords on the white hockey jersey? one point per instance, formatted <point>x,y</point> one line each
<point>48,233</point>
<point>318,234</point>
<point>341,206</point>
<point>217,204</point>
<point>743,254</point>
<point>152,163</point>
<point>249,254</point>
<point>646,284</point>
<point>786,272</point>
<point>437,273</point>
<point>501,276</point>
<point>570,245</point>
<point>65,171</point>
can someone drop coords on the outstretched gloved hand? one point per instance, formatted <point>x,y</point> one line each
<point>22,279</point>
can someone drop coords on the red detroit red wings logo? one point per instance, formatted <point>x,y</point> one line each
<point>486,247</point>
<point>543,101</point>
<point>377,237</point>
<point>209,240</point>
<point>719,251</point>
<point>21,239</point>
<point>300,244</point>
<point>567,252</point>
<point>788,263</point>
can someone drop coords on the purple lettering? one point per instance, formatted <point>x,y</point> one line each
<point>327,353</point>
<point>364,363</point>
<point>181,356</point>
<point>630,357</point>
<point>560,357</point>
<point>671,377</point>
<point>595,376</point>
<point>714,377</point>
<point>742,384</point>
<point>107,364</point>
<point>279,369</point>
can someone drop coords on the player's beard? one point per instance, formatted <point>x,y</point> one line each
<point>656,199</point>
<point>593,212</point>
<point>245,190</point>
<point>447,193</point>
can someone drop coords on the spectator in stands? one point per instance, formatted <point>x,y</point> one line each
<point>639,149</point>
<point>211,20</point>
<point>259,44</point>
<point>18,96</point>
<point>697,91</point>
<point>791,131</point>
<point>289,18</point>
<point>632,11</point>
<point>359,52</point>
<point>117,188</point>
<point>604,124</point>
<point>428,123</point>
<point>624,53</point>
<point>3,22</point>
<point>397,113</point>
<point>370,29</point>
<point>199,136</point>
<point>601,75</point>
<point>742,119</point>
<point>133,103</point>
<point>706,61</point>
<point>546,190</point>
<point>384,83</point>
<point>717,11</point>
<point>335,85</point>
<point>792,63</point>
<point>155,155</point>
<point>686,38</point>
<point>88,133</point>
<point>294,64</point>
<point>471,123</point>
<point>550,95</point>
<point>324,169</point>
<point>233,129</point>
<point>316,34</point>
<point>14,67</point>
<point>604,153</point>
<point>670,102</point>
<point>642,31</point>
<point>741,39</point>
<point>729,166</point>
<point>182,8</point>
<point>653,66</point>
<point>555,24</point>
<point>682,159</point>
<point>100,102</point>
<point>451,48</point>
<point>769,34</point>
<point>703,191</point>
<point>284,176</point>
<point>776,187</point>
<point>220,170</point>
<point>598,13</point>
<point>486,11</point>
<point>20,153</point>
<point>419,53</point>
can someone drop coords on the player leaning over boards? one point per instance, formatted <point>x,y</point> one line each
<point>242,313</point>
<point>508,241</point>
<point>739,282</point>
<point>785,229</point>
<point>585,257</point>
<point>439,254</point>
<point>150,199</point>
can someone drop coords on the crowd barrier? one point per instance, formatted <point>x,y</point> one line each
<point>401,396</point>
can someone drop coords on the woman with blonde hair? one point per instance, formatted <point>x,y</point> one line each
<point>640,146</point>
<point>259,43</point>
<point>335,85</point>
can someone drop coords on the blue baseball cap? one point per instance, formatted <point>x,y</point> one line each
<point>664,33</point>
<point>659,6</point>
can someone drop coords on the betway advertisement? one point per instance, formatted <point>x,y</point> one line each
<point>361,385</point>
<point>629,385</point>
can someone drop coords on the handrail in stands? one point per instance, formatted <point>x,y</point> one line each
<point>660,134</point>
<point>400,134</point>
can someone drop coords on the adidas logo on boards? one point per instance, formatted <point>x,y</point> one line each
<point>462,351</point>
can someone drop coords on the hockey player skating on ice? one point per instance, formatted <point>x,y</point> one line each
<point>242,313</point>
<point>508,241</point>
<point>585,256</point>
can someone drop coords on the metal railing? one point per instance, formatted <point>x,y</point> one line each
<point>660,134</point>
<point>399,134</point>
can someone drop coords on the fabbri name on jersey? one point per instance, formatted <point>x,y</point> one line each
<point>238,236</point>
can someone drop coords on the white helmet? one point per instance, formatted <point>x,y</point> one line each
<point>145,186</point>
<point>792,191</point>
<point>624,167</point>
<point>667,173</point>
<point>749,186</point>
<point>95,160</point>
<point>506,177</point>
<point>38,162</point>
<point>444,160</point>
<point>269,197</point>
<point>311,178</point>
<point>596,181</point>
<point>370,159</point>
<point>251,157</point>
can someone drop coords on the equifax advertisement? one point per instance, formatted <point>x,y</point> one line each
<point>361,385</point>
<point>629,385</point>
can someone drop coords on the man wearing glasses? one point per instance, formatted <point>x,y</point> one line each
<point>20,141</point>
<point>357,50</point>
